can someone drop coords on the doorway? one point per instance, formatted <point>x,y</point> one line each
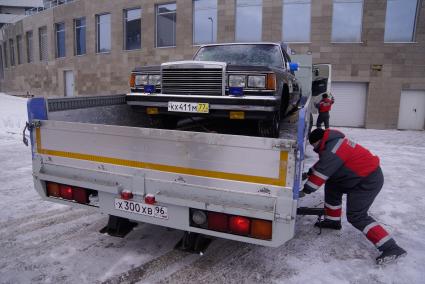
<point>69,83</point>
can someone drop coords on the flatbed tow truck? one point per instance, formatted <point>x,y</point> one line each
<point>98,153</point>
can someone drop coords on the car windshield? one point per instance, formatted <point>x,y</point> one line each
<point>242,54</point>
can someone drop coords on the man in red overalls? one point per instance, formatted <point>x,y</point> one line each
<point>345,167</point>
<point>324,107</point>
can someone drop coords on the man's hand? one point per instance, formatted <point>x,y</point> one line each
<point>304,192</point>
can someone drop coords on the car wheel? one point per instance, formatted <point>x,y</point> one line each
<point>270,127</point>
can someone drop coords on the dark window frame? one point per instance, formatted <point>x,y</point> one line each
<point>97,23</point>
<point>30,46</point>
<point>19,49</point>
<point>156,24</point>
<point>58,47</point>
<point>12,52</point>
<point>76,41</point>
<point>125,47</point>
<point>42,56</point>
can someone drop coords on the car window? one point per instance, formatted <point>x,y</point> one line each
<point>242,54</point>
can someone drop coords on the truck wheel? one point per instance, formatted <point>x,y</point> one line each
<point>163,121</point>
<point>271,127</point>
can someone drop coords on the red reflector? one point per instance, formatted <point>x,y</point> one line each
<point>126,194</point>
<point>80,195</point>
<point>65,191</point>
<point>217,221</point>
<point>239,225</point>
<point>150,199</point>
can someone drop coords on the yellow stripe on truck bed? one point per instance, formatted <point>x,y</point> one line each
<point>280,181</point>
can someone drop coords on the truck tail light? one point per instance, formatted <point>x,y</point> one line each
<point>126,194</point>
<point>150,199</point>
<point>231,224</point>
<point>239,225</point>
<point>217,221</point>
<point>65,191</point>
<point>132,80</point>
<point>261,229</point>
<point>80,195</point>
<point>53,189</point>
<point>271,82</point>
<point>68,192</point>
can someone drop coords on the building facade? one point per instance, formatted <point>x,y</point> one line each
<point>88,47</point>
<point>12,11</point>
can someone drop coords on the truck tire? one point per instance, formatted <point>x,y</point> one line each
<point>270,127</point>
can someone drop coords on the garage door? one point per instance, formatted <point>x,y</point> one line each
<point>412,110</point>
<point>349,108</point>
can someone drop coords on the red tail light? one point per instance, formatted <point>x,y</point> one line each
<point>239,225</point>
<point>150,199</point>
<point>80,195</point>
<point>65,191</point>
<point>53,189</point>
<point>126,195</point>
<point>217,221</point>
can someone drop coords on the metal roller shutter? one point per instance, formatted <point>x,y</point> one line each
<point>349,108</point>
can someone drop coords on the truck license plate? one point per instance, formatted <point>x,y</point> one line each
<point>141,208</point>
<point>189,107</point>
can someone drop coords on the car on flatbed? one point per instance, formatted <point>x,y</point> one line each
<point>253,81</point>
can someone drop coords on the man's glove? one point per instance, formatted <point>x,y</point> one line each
<point>307,190</point>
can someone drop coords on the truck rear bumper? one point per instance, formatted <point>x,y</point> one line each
<point>219,103</point>
<point>179,197</point>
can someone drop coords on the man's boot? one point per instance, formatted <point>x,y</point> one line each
<point>328,224</point>
<point>390,254</point>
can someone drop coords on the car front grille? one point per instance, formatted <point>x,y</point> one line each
<point>199,81</point>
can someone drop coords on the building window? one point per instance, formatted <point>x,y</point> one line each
<point>12,52</point>
<point>166,25</point>
<point>19,48</point>
<point>103,33</point>
<point>1,64</point>
<point>204,21</point>
<point>347,20</point>
<point>296,20</point>
<point>42,41</point>
<point>60,40</point>
<point>5,54</point>
<point>400,20</point>
<point>29,46</point>
<point>132,29</point>
<point>80,36</point>
<point>249,18</point>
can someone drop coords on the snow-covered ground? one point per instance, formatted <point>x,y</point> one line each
<point>43,242</point>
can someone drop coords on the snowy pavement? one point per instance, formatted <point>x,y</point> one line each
<point>43,242</point>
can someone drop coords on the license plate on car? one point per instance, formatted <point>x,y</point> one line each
<point>189,107</point>
<point>141,208</point>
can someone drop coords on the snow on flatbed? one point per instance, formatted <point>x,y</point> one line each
<point>44,242</point>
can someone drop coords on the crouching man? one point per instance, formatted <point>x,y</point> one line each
<point>346,167</point>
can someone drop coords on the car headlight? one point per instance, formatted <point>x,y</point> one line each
<point>257,81</point>
<point>141,80</point>
<point>237,81</point>
<point>155,80</point>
